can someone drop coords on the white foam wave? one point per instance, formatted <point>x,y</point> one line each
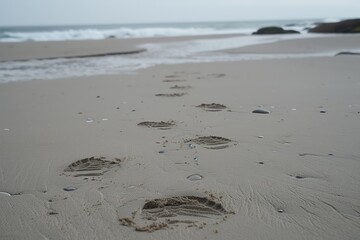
<point>94,34</point>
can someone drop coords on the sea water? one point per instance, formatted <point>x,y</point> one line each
<point>81,32</point>
<point>164,53</point>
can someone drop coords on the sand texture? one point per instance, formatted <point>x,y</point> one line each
<point>106,157</point>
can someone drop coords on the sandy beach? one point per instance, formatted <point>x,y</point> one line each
<point>176,152</point>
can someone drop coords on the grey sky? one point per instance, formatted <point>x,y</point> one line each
<point>50,12</point>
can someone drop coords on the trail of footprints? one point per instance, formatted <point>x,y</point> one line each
<point>178,78</point>
<point>167,212</point>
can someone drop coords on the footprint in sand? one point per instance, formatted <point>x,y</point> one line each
<point>171,76</point>
<point>214,75</point>
<point>93,166</point>
<point>161,213</point>
<point>171,94</point>
<point>212,142</point>
<point>217,75</point>
<point>212,107</point>
<point>174,80</point>
<point>160,125</point>
<point>180,87</point>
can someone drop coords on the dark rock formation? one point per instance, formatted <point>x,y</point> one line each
<point>347,53</point>
<point>346,26</point>
<point>274,30</point>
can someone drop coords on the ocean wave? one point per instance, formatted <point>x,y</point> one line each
<point>95,34</point>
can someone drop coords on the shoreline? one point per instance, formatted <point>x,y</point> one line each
<point>23,51</point>
<point>49,50</point>
<point>54,60</point>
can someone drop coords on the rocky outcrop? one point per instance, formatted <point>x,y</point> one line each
<point>273,30</point>
<point>348,53</point>
<point>346,26</point>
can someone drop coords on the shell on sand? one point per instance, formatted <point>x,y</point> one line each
<point>5,193</point>
<point>69,188</point>
<point>195,177</point>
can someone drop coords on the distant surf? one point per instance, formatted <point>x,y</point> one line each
<point>84,32</point>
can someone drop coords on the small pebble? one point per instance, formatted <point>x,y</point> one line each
<point>161,151</point>
<point>195,177</point>
<point>261,111</point>
<point>260,136</point>
<point>89,120</point>
<point>69,188</point>
<point>280,211</point>
<point>261,162</point>
<point>299,177</point>
<point>191,146</point>
<point>322,111</point>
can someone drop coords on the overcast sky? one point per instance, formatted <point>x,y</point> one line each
<point>57,12</point>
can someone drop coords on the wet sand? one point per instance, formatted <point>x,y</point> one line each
<point>106,157</point>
